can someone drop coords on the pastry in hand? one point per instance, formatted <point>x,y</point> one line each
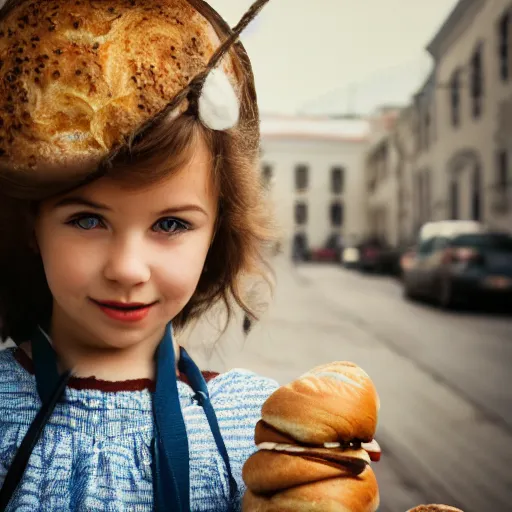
<point>315,445</point>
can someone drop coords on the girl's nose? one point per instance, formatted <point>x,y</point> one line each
<point>126,264</point>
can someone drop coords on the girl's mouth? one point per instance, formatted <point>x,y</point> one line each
<point>124,311</point>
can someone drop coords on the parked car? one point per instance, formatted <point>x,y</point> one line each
<point>407,259</point>
<point>350,257</point>
<point>450,228</point>
<point>392,258</point>
<point>444,228</point>
<point>451,267</point>
<point>330,252</point>
<point>375,256</point>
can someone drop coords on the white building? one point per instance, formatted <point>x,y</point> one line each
<point>315,169</point>
<point>456,135</point>
<point>470,115</point>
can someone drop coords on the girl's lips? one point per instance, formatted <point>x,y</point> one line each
<point>123,311</point>
<point>121,305</point>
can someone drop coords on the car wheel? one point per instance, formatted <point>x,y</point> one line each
<point>445,297</point>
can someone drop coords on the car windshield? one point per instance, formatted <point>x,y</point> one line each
<point>495,242</point>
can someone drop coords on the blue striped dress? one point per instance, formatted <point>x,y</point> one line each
<point>95,453</point>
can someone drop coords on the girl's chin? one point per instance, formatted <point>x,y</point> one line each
<point>118,339</point>
<point>103,332</point>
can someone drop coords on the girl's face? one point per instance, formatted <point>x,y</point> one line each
<point>122,263</point>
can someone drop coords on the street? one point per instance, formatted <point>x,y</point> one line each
<point>446,402</point>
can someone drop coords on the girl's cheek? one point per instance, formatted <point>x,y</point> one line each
<point>71,263</point>
<point>179,275</point>
<point>178,279</point>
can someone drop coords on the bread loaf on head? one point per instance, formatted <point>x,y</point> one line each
<point>77,78</point>
<point>434,508</point>
<point>359,494</point>
<point>333,402</point>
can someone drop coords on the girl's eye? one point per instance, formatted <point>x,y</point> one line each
<point>169,226</point>
<point>86,222</point>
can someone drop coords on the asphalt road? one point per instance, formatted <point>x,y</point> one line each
<point>443,379</point>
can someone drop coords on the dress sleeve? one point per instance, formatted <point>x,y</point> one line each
<point>237,397</point>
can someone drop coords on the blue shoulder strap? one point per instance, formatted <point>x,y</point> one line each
<point>171,453</point>
<point>171,456</point>
<point>198,384</point>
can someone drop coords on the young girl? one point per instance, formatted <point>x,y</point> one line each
<point>130,202</point>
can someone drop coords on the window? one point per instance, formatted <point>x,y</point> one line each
<point>418,198</point>
<point>504,46</point>
<point>384,161</point>
<point>336,214</point>
<point>455,98</point>
<point>477,79</point>
<point>422,196</point>
<point>502,170</point>
<point>427,188</point>
<point>301,213</point>
<point>427,129</point>
<point>440,243</point>
<point>266,174</point>
<point>500,242</point>
<point>476,202</point>
<point>426,247</point>
<point>337,180</point>
<point>454,199</point>
<point>301,177</point>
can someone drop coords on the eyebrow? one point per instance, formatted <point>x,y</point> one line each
<point>183,208</point>
<point>82,201</point>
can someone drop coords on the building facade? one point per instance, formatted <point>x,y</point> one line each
<point>448,155</point>
<point>409,195</point>
<point>470,154</point>
<point>382,183</point>
<point>314,170</point>
<point>427,201</point>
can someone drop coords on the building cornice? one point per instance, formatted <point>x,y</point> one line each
<point>451,23</point>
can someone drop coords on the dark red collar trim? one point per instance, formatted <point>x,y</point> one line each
<point>92,383</point>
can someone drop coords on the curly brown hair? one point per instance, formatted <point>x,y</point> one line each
<point>244,229</point>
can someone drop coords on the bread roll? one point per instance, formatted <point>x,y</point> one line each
<point>264,433</point>
<point>359,494</point>
<point>334,402</point>
<point>272,471</point>
<point>77,78</point>
<point>310,456</point>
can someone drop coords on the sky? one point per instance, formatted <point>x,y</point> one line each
<point>338,56</point>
